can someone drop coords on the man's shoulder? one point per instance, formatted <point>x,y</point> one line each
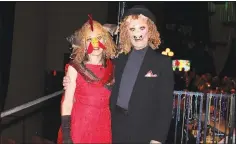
<point>118,58</point>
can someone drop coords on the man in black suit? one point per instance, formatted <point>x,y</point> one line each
<point>142,96</point>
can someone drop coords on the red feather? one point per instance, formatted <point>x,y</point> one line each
<point>101,45</point>
<point>90,49</point>
<point>90,21</point>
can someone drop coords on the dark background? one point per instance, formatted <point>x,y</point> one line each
<point>6,36</point>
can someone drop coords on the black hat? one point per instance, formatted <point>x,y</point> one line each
<point>140,9</point>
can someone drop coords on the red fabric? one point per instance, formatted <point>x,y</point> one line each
<point>90,114</point>
<point>108,72</point>
<point>91,48</point>
<point>101,45</point>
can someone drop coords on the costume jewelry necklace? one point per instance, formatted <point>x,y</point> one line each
<point>184,111</point>
<point>177,115</point>
<point>187,119</point>
<point>174,104</point>
<point>209,108</point>
<point>227,115</point>
<point>215,107</point>
<point>224,106</point>
<point>231,109</point>
<point>190,116</point>
<point>219,114</point>
<point>199,120</point>
<point>195,110</point>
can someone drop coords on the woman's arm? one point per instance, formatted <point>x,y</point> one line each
<point>69,92</point>
<point>67,105</point>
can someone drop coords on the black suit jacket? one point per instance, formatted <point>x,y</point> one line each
<point>150,106</point>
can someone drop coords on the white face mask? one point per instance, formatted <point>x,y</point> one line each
<point>138,31</point>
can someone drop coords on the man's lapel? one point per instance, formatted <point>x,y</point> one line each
<point>123,58</point>
<point>147,65</point>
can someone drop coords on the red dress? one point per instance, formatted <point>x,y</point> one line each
<point>91,122</point>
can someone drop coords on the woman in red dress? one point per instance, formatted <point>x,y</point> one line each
<point>85,105</point>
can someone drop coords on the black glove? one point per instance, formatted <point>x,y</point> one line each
<point>66,129</point>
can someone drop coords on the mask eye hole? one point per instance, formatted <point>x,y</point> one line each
<point>89,39</point>
<point>99,37</point>
<point>132,29</point>
<point>142,28</point>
